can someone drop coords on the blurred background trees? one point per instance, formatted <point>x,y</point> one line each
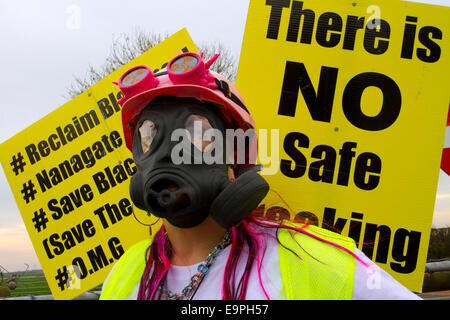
<point>126,47</point>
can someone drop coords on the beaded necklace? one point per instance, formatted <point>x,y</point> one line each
<point>189,291</point>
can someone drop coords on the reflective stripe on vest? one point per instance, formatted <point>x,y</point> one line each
<point>323,271</point>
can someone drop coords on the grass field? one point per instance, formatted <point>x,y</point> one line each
<point>33,283</point>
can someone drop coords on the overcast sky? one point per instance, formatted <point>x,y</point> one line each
<point>42,48</point>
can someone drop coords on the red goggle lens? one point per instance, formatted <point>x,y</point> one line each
<point>184,64</point>
<point>134,77</point>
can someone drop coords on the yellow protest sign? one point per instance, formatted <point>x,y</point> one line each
<point>359,93</point>
<point>70,173</point>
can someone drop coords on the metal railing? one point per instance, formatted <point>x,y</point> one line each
<point>437,265</point>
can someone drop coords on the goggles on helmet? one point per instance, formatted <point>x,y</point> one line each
<point>186,75</point>
<point>186,68</point>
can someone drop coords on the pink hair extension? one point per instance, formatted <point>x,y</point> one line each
<point>258,261</point>
<point>260,281</point>
<point>284,201</point>
<point>157,284</point>
<point>331,243</point>
<point>307,222</point>
<point>302,230</point>
<point>229,276</point>
<point>158,263</point>
<point>225,288</point>
<point>245,281</point>
<point>250,259</point>
<point>240,235</point>
<point>165,260</point>
<point>259,244</point>
<point>162,244</point>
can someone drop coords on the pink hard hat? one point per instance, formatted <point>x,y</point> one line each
<point>186,75</point>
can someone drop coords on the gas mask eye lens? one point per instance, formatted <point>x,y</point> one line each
<point>147,132</point>
<point>196,126</point>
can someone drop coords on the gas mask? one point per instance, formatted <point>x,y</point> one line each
<point>174,179</point>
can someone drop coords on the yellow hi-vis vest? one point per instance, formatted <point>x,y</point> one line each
<point>323,272</point>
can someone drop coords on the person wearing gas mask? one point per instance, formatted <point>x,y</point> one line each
<point>213,244</point>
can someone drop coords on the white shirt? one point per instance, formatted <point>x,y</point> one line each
<point>371,283</point>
